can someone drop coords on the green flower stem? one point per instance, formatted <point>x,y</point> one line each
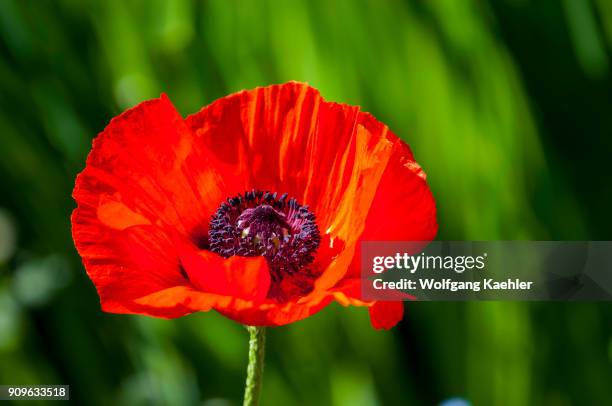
<point>257,348</point>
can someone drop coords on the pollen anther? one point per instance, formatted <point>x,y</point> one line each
<point>258,223</point>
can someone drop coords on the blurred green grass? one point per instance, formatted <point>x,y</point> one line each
<point>506,105</point>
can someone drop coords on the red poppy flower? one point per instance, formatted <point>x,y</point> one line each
<point>254,206</point>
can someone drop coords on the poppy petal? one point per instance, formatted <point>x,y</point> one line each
<point>274,314</point>
<point>286,138</point>
<point>241,277</point>
<point>384,315</point>
<point>146,167</point>
<point>125,265</point>
<point>403,207</point>
<point>174,302</point>
<point>144,180</point>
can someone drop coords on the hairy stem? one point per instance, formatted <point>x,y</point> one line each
<point>257,348</point>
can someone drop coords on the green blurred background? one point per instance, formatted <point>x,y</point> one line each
<point>506,104</point>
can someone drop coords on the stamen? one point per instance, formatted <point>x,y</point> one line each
<point>262,224</point>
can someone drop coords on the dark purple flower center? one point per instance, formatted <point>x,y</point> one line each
<point>260,224</point>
